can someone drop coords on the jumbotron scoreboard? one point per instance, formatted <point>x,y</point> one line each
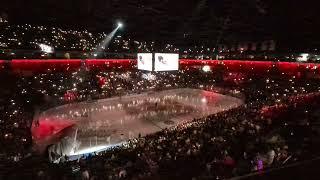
<point>158,61</point>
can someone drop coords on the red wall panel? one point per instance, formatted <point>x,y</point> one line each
<point>41,66</point>
<point>103,64</point>
<point>238,66</point>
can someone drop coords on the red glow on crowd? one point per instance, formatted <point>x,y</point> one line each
<point>70,96</point>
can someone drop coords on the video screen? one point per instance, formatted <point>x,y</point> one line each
<point>145,61</point>
<point>166,62</point>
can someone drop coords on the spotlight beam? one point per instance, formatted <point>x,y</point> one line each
<point>106,41</point>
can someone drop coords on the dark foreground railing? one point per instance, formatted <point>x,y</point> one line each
<point>304,170</point>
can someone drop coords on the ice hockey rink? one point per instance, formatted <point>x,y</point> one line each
<point>96,125</point>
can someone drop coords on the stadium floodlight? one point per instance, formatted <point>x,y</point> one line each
<point>45,48</point>
<point>303,57</point>
<point>206,68</point>
<point>204,100</point>
<point>120,24</point>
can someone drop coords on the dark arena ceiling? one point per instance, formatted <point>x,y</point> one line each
<point>206,21</point>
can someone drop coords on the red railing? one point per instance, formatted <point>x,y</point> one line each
<point>41,66</point>
<point>240,66</point>
<point>103,64</point>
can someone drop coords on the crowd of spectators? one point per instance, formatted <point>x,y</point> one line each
<point>227,144</point>
<point>23,42</point>
<point>278,124</point>
<point>216,147</point>
<point>219,146</point>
